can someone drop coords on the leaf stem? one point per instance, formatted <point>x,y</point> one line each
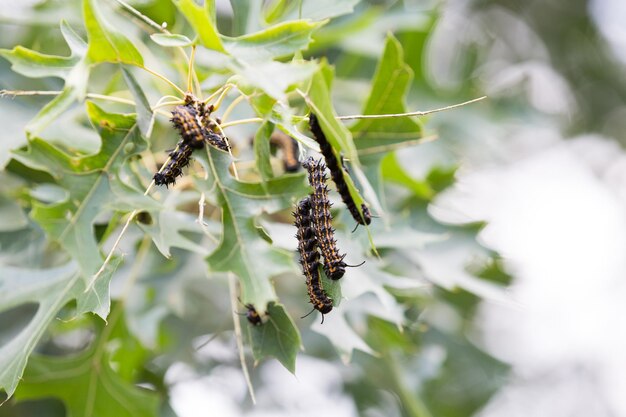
<point>142,17</point>
<point>415,113</point>
<point>190,72</point>
<point>110,98</point>
<point>28,93</point>
<point>242,122</point>
<point>164,78</point>
<point>232,106</point>
<point>242,358</point>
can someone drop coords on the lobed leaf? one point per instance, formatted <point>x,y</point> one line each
<point>390,87</point>
<point>87,385</point>
<point>281,40</point>
<point>278,338</point>
<point>88,182</point>
<point>50,289</point>
<point>105,43</point>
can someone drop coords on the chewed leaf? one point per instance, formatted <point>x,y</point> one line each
<point>88,182</point>
<point>390,86</point>
<point>278,338</point>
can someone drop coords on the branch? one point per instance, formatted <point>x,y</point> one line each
<point>415,113</point>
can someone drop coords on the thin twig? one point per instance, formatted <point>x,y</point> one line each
<point>164,78</point>
<point>242,122</point>
<point>142,17</point>
<point>415,113</point>
<point>238,338</point>
<point>219,91</point>
<point>110,98</point>
<point>232,106</point>
<point>15,93</point>
<point>190,72</point>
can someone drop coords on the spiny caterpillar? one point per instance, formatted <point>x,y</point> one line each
<point>309,258</point>
<point>179,158</point>
<point>185,120</point>
<point>334,266</point>
<point>289,149</point>
<point>337,173</point>
<point>190,124</point>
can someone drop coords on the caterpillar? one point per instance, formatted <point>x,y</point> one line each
<point>179,158</point>
<point>337,173</point>
<point>334,266</point>
<point>309,258</point>
<point>190,124</point>
<point>253,317</point>
<point>185,120</point>
<point>289,148</point>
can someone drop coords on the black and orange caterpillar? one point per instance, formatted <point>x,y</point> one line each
<point>337,173</point>
<point>190,125</point>
<point>289,150</point>
<point>193,135</point>
<point>334,266</point>
<point>309,258</point>
<point>179,158</point>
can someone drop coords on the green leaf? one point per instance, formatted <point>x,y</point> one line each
<point>74,90</point>
<point>88,182</point>
<point>281,40</point>
<point>241,248</point>
<point>50,289</point>
<point>391,82</point>
<point>34,64</point>
<point>72,69</point>
<point>262,150</point>
<point>274,78</point>
<point>105,43</point>
<point>87,385</point>
<point>275,9</point>
<point>278,338</point>
<point>145,119</point>
<point>173,228</point>
<point>394,172</point>
<point>245,15</point>
<point>171,39</point>
<point>202,20</point>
